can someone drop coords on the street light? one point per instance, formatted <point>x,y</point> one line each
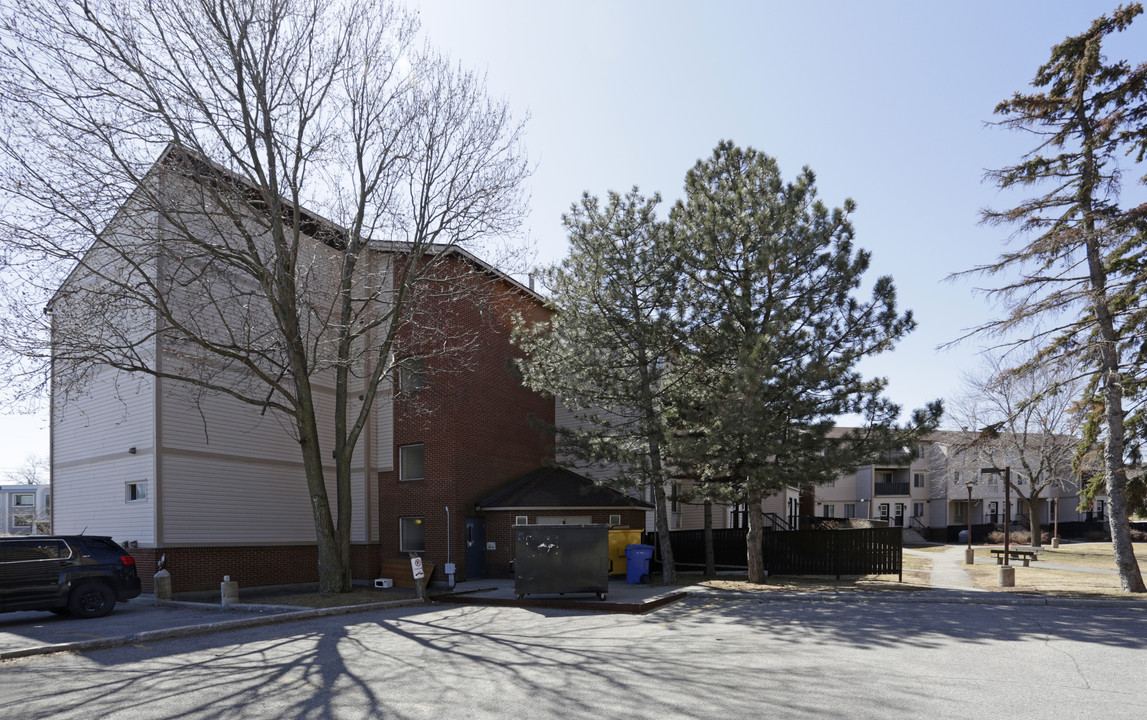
<point>1007,572</point>
<point>970,554</point>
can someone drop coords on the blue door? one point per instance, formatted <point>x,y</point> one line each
<point>475,548</point>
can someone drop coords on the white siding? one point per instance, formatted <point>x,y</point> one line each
<point>91,498</point>
<point>91,436</point>
<point>384,427</point>
<point>225,501</point>
<point>234,475</point>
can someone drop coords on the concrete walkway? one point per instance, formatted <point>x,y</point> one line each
<point>947,569</point>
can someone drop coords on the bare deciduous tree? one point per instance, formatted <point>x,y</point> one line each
<point>34,471</point>
<point>1027,420</point>
<point>204,267</point>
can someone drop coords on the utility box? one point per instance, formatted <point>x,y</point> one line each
<point>618,539</point>
<point>560,559</point>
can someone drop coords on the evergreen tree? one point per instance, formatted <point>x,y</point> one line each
<point>606,353</point>
<point>776,332</point>
<point>1079,275</point>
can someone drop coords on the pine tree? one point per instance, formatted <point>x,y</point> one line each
<point>776,329</point>
<point>1079,284</point>
<point>607,353</point>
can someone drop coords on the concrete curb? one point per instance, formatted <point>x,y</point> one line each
<point>205,629</point>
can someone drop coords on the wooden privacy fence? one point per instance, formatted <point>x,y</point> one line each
<point>867,551</point>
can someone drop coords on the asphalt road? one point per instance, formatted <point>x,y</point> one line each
<point>704,657</point>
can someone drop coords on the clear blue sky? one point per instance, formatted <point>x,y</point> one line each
<point>885,101</point>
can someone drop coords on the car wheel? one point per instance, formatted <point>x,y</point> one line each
<point>91,600</point>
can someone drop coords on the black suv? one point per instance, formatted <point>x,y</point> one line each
<point>82,574</point>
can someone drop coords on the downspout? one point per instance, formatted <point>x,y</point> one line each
<point>449,565</point>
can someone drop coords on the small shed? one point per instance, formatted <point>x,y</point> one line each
<point>552,496</point>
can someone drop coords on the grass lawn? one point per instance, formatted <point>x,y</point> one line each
<point>1060,583</point>
<point>1093,555</point>
<point>928,548</point>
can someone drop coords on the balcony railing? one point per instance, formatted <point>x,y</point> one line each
<point>891,488</point>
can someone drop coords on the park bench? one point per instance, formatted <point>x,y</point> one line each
<point>1026,555</point>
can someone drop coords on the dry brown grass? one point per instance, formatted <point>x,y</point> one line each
<point>1091,555</point>
<point>928,548</point>
<point>1057,583</point>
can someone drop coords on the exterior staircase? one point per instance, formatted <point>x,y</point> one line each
<point>911,537</point>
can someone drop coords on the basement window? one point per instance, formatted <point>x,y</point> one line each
<point>521,519</point>
<point>412,534</point>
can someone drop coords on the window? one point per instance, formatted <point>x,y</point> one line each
<point>615,519</point>
<point>674,498</point>
<point>411,462</point>
<point>993,478</point>
<point>956,477</point>
<point>917,509</point>
<point>411,534</point>
<point>883,511</point>
<point>136,491</point>
<point>885,477</point>
<point>521,520</point>
<point>24,500</point>
<point>22,520</point>
<point>850,510</point>
<point>411,374</point>
<point>829,511</point>
<point>830,483</point>
<point>958,512</point>
<point>918,480</point>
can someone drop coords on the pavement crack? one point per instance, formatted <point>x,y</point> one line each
<point>1047,640</point>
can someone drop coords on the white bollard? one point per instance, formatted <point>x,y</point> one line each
<point>162,587</point>
<point>229,590</point>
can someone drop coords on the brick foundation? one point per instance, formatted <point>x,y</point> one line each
<point>203,568</point>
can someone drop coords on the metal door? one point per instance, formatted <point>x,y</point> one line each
<point>475,548</point>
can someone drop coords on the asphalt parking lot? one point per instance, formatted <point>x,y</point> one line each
<point>24,630</point>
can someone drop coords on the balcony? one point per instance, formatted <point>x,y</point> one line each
<point>890,488</point>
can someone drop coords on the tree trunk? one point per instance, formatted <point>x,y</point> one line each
<point>1035,506</point>
<point>1130,578</point>
<point>661,525</point>
<point>710,558</point>
<point>755,553</point>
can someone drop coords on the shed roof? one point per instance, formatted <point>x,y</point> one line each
<point>557,487</point>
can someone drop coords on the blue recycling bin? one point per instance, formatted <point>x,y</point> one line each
<point>637,559</point>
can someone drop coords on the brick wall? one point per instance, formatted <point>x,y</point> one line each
<point>473,417</point>
<point>203,568</point>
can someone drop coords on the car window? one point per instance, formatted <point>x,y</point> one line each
<point>28,550</point>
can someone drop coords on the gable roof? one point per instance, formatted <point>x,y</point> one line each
<point>557,487</point>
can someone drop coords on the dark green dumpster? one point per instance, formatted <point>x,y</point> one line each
<point>561,559</point>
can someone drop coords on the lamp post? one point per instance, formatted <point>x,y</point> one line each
<point>970,554</point>
<point>1055,525</point>
<point>1007,572</point>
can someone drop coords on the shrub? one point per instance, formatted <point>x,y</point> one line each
<point>1019,537</point>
